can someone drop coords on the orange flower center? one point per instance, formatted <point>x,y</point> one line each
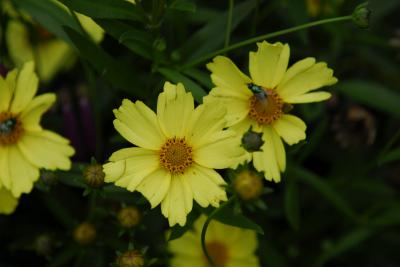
<point>218,252</point>
<point>266,109</point>
<point>10,128</point>
<point>176,155</point>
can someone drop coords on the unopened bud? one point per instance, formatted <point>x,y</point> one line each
<point>361,16</point>
<point>131,258</point>
<point>94,175</point>
<point>84,233</point>
<point>129,216</point>
<point>252,141</point>
<point>248,185</point>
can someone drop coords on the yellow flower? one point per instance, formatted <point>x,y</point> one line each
<point>266,112</point>
<point>178,148</point>
<point>8,202</point>
<point>51,54</point>
<point>228,246</point>
<point>25,146</point>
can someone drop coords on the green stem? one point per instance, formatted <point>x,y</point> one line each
<point>229,24</point>
<point>204,230</point>
<point>389,144</point>
<point>264,37</point>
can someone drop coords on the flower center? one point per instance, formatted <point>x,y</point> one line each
<point>218,252</point>
<point>266,108</point>
<point>10,129</point>
<point>176,155</point>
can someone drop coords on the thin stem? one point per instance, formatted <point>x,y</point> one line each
<point>229,24</point>
<point>263,37</point>
<point>389,144</point>
<point>204,230</point>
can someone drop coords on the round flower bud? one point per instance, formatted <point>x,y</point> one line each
<point>129,216</point>
<point>361,16</point>
<point>94,175</point>
<point>43,245</point>
<point>84,233</point>
<point>131,258</point>
<point>248,185</point>
<point>252,141</point>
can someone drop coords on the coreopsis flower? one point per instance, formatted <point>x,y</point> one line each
<point>228,246</point>
<point>25,146</point>
<point>51,54</point>
<point>178,150</point>
<point>260,105</point>
<point>8,202</point>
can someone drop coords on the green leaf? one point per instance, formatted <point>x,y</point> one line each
<point>228,215</point>
<point>209,38</point>
<point>176,77</point>
<point>291,202</point>
<point>324,189</point>
<point>114,71</point>
<point>344,244</point>
<point>183,5</point>
<point>139,42</point>
<point>178,231</point>
<point>391,156</point>
<point>200,76</point>
<point>50,15</point>
<point>371,94</point>
<point>106,9</point>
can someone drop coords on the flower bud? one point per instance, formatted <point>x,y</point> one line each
<point>131,258</point>
<point>129,216</point>
<point>252,141</point>
<point>94,175</point>
<point>84,233</point>
<point>361,16</point>
<point>248,185</point>
<point>43,245</point>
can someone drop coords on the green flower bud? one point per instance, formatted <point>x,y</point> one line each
<point>84,233</point>
<point>94,175</point>
<point>361,16</point>
<point>129,217</point>
<point>248,185</point>
<point>131,258</point>
<point>252,141</point>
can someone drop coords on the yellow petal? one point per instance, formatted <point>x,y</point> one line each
<point>308,98</point>
<point>266,160</point>
<point>305,76</point>
<point>250,261</point>
<point>206,185</point>
<point>155,186</point>
<point>138,124</point>
<point>187,245</point>
<point>174,109</point>
<point>54,56</point>
<point>184,260</point>
<point>229,80</point>
<point>279,150</point>
<point>26,87</point>
<point>5,95</point>
<point>45,149</point>
<point>11,80</point>
<point>94,30</point>
<point>176,205</point>
<point>131,166</point>
<point>290,128</point>
<point>5,175</point>
<point>8,202</point>
<point>237,109</point>
<point>32,114</point>
<point>268,65</point>
<point>246,246</point>
<point>23,174</point>
<point>18,43</point>
<point>221,153</point>
<point>205,122</point>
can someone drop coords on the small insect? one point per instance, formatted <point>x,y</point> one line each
<point>258,91</point>
<point>7,126</point>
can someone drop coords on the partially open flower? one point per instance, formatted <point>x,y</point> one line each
<point>129,216</point>
<point>85,233</point>
<point>131,258</point>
